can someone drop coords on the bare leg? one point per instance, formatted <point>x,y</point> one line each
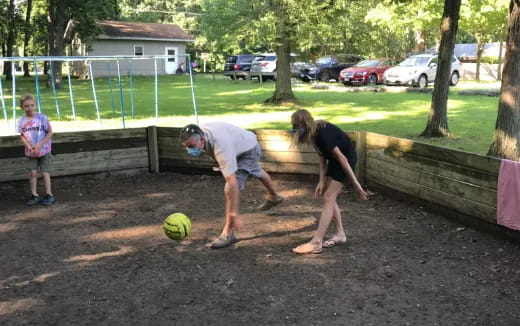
<point>328,211</point>
<point>33,180</point>
<point>268,184</point>
<point>47,182</point>
<point>329,204</point>
<point>339,236</point>
<point>233,220</point>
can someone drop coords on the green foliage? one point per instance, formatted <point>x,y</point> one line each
<point>489,59</point>
<point>472,118</point>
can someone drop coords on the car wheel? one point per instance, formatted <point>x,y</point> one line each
<point>372,79</point>
<point>454,79</point>
<point>422,82</point>
<point>325,76</point>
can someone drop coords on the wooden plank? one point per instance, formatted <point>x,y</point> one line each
<point>153,149</point>
<point>297,168</point>
<point>361,157</point>
<point>470,160</point>
<point>267,156</point>
<point>461,205</point>
<point>82,162</point>
<point>91,135</point>
<point>173,162</point>
<point>290,157</point>
<point>168,132</point>
<point>67,137</point>
<point>424,164</point>
<point>81,146</point>
<point>456,188</point>
<point>170,164</point>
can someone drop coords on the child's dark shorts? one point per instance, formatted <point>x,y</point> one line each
<point>336,172</point>
<point>41,164</point>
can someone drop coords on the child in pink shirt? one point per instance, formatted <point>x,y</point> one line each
<point>36,133</point>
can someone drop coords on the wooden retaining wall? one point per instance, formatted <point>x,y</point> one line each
<point>278,154</point>
<point>80,152</point>
<point>458,181</point>
<point>463,182</point>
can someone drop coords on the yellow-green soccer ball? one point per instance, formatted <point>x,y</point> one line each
<point>177,226</point>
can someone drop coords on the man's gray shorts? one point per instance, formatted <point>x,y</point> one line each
<point>248,165</point>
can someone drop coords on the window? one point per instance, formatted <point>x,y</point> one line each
<point>138,50</point>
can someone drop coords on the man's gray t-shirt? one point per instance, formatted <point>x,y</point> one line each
<point>225,142</point>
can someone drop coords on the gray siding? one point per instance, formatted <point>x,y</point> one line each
<point>126,47</point>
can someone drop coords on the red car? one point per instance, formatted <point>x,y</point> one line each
<point>365,72</point>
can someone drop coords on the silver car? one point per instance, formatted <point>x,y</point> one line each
<point>419,70</point>
<point>265,65</point>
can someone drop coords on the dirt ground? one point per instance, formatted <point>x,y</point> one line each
<point>99,257</point>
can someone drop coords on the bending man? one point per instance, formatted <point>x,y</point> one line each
<point>237,153</point>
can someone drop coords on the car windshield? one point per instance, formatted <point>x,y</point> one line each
<point>324,61</point>
<point>415,61</point>
<point>245,59</point>
<point>231,59</point>
<point>367,64</point>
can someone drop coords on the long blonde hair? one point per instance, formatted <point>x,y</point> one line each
<point>303,119</point>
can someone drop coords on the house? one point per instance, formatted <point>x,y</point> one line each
<point>132,39</point>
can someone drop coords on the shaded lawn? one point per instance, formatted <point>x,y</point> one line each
<point>471,118</point>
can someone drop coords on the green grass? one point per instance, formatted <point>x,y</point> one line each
<point>471,118</point>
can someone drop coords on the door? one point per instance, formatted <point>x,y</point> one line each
<point>171,64</point>
<point>432,71</point>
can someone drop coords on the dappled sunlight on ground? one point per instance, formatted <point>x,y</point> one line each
<point>148,232</point>
<point>19,305</point>
<point>123,250</point>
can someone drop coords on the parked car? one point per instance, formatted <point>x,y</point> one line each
<point>265,65</point>
<point>327,68</point>
<point>238,66</point>
<point>365,72</point>
<point>419,70</point>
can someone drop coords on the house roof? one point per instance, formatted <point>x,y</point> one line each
<point>142,31</point>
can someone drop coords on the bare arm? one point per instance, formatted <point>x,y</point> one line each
<point>321,184</point>
<point>38,146</point>
<point>350,174</point>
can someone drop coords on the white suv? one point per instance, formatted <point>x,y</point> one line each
<point>264,64</point>
<point>419,70</point>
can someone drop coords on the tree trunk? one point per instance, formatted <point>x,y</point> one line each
<point>437,125</point>
<point>500,54</point>
<point>10,40</point>
<point>27,37</point>
<point>283,90</point>
<point>480,50</point>
<point>56,29</point>
<point>506,141</point>
<point>420,41</point>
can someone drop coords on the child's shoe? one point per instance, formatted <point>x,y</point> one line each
<point>35,199</point>
<point>48,200</point>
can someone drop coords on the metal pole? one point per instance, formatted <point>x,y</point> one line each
<point>130,75</point>
<point>193,93</point>
<point>13,75</point>
<point>110,86</point>
<point>53,85</point>
<point>37,81</point>
<point>91,75</point>
<point>156,92</point>
<point>70,92</point>
<point>121,100</point>
<point>4,108</point>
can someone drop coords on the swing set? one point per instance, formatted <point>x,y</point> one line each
<point>110,60</point>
